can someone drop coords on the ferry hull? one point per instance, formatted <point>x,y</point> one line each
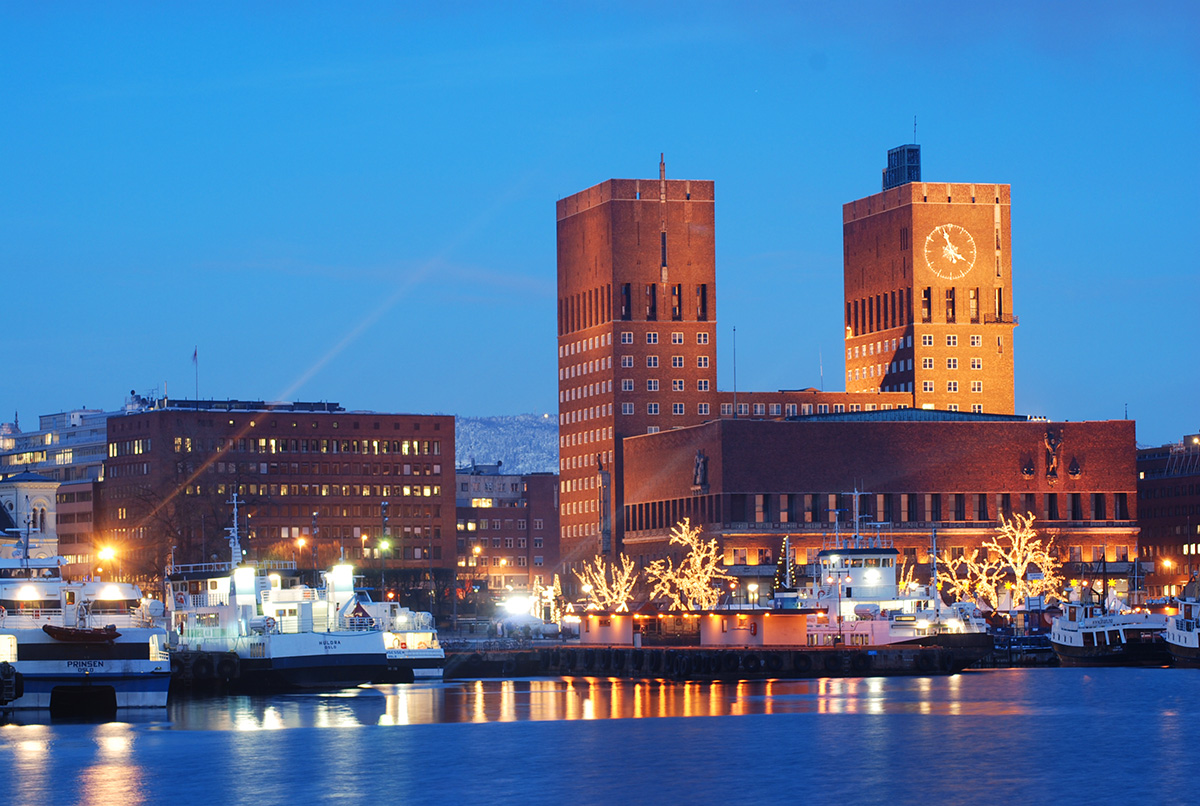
<point>1187,656</point>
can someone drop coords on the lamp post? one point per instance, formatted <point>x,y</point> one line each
<point>753,589</point>
<point>315,532</point>
<point>107,554</point>
<point>384,545</point>
<point>475,552</point>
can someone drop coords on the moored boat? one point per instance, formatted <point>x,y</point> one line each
<point>1087,635</point>
<point>80,645</point>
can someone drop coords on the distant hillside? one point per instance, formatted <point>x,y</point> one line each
<point>526,443</point>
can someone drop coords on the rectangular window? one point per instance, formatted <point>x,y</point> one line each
<point>652,385</point>
<point>626,304</point>
<point>701,338</point>
<point>676,338</point>
<point>927,340</point>
<point>822,408</point>
<point>926,386</point>
<point>977,341</point>
<point>726,409</point>
<point>838,408</point>
<point>976,363</point>
<point>652,361</point>
<point>626,337</point>
<point>652,408</point>
<point>677,385</point>
<point>626,362</point>
<point>651,302</point>
<point>951,386</point>
<point>926,363</point>
<point>702,409</point>
<point>789,410</point>
<point>977,386</point>
<point>702,362</point>
<point>951,340</point>
<point>627,384</point>
<point>759,409</point>
<point>950,317</point>
<point>651,338</point>
<point>774,409</point>
<point>743,409</point>
<point>677,408</point>
<point>702,385</point>
<point>627,408</point>
<point>977,408</point>
<point>951,363</point>
<point>926,304</point>
<point>677,362</point>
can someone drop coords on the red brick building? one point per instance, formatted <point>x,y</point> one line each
<point>751,483</point>
<point>507,528</point>
<point>314,478</point>
<point>1169,514</point>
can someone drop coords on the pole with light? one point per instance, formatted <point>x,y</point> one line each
<point>315,531</point>
<point>384,516</point>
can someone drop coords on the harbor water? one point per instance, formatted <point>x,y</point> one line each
<point>1015,736</point>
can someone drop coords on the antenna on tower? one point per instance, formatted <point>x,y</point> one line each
<point>914,129</point>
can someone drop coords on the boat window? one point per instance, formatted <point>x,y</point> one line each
<point>1114,637</point>
<point>856,563</point>
<point>213,584</point>
<point>872,562</point>
<point>1100,640</point>
<point>69,597</point>
<point>194,586</point>
<point>1089,639</point>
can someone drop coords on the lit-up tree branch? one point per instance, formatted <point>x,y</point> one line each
<point>1013,553</point>
<point>689,585</point>
<point>609,586</point>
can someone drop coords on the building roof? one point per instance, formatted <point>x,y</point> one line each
<point>913,416</point>
<point>28,476</point>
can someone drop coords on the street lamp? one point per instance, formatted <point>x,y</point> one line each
<point>753,588</point>
<point>106,554</point>
<point>315,532</point>
<point>383,546</point>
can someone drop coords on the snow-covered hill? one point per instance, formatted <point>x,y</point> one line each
<point>526,443</point>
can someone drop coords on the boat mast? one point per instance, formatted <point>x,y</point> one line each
<point>235,544</point>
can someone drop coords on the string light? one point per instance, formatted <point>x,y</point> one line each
<point>690,585</point>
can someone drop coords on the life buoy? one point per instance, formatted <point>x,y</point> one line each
<point>422,645</point>
<point>3,612</point>
<point>268,624</point>
<point>180,599</point>
<point>754,628</point>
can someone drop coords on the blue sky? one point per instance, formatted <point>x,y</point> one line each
<point>356,203</point>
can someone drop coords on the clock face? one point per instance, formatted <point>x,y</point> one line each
<point>950,251</point>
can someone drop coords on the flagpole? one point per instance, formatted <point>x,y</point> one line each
<point>196,366</point>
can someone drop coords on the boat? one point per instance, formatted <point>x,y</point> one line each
<point>254,626</point>
<point>858,601</point>
<point>1183,629</point>
<point>1089,634</point>
<point>87,645</point>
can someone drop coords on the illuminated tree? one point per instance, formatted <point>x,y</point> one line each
<point>1010,557</point>
<point>781,567</point>
<point>609,586</point>
<point>689,585</point>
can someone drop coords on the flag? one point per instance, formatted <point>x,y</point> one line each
<point>196,355</point>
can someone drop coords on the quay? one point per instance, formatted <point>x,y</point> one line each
<point>707,663</point>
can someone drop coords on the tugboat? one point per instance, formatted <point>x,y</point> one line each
<point>79,646</point>
<point>253,626</point>
<point>1088,635</point>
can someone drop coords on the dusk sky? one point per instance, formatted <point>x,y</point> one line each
<point>355,202</point>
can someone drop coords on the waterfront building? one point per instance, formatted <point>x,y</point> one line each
<point>507,526</point>
<point>1168,484</point>
<point>929,327</point>
<point>28,516</point>
<point>319,483</point>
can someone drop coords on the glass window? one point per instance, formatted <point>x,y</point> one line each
<point>626,337</point>
<point>652,361</point>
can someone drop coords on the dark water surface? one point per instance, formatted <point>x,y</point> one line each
<point>1008,736</point>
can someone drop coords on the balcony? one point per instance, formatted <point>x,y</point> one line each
<point>1000,319</point>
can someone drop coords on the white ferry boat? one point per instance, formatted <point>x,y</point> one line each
<point>1090,635</point>
<point>86,645</point>
<point>255,626</point>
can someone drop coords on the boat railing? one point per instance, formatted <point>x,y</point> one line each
<point>195,600</point>
<point>35,618</point>
<point>290,595</point>
<point>227,567</point>
<point>359,623</point>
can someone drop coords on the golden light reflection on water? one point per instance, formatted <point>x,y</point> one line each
<point>112,778</point>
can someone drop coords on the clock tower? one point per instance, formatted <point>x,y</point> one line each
<point>928,294</point>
